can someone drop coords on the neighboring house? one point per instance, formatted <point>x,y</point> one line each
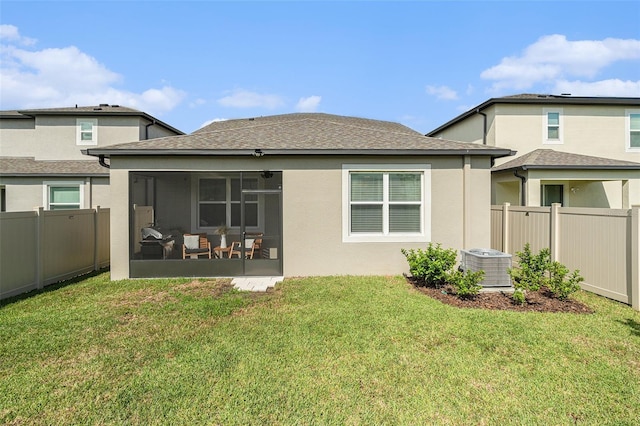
<point>327,194</point>
<point>578,151</point>
<point>41,163</point>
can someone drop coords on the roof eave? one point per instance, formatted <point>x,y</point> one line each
<point>495,153</point>
<point>572,167</point>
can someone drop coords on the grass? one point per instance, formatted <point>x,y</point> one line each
<point>331,350</point>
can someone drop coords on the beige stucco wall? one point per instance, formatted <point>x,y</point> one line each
<point>588,130</point>
<point>582,188</point>
<point>27,193</point>
<point>312,210</point>
<point>54,137</point>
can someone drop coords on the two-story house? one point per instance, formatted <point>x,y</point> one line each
<point>577,151</point>
<point>41,163</point>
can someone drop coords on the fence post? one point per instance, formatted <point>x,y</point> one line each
<point>96,234</point>
<point>505,228</point>
<point>40,248</point>
<point>634,290</point>
<point>554,234</point>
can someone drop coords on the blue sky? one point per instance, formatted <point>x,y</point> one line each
<point>418,63</point>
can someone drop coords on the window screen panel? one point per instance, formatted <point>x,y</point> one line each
<point>213,190</point>
<point>64,194</point>
<point>213,214</point>
<point>366,218</point>
<point>366,187</point>
<point>404,218</point>
<point>634,121</point>
<point>405,187</point>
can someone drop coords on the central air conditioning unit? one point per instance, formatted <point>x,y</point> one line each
<point>494,263</point>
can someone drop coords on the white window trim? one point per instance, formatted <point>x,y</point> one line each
<point>195,197</point>
<point>47,184</point>
<point>94,131</point>
<point>424,236</point>
<point>545,129</point>
<point>627,134</point>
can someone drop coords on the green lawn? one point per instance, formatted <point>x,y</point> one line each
<point>332,350</point>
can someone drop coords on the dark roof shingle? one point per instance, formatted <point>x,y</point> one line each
<point>302,133</point>
<point>550,159</point>
<point>28,166</point>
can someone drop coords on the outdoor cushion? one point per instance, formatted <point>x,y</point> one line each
<point>192,242</point>
<point>196,250</point>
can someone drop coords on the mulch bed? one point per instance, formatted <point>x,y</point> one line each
<point>539,301</point>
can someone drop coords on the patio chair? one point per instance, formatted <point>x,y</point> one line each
<point>196,245</point>
<point>251,245</point>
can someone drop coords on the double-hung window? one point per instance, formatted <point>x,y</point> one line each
<point>63,195</point>
<point>219,202</point>
<point>633,130</point>
<point>386,203</point>
<point>553,123</point>
<point>86,131</point>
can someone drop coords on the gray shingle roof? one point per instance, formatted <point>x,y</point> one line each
<point>97,110</point>
<point>550,159</point>
<point>303,133</point>
<point>28,166</point>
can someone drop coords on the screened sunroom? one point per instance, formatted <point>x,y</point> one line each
<point>205,224</point>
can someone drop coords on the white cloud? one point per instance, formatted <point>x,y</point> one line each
<point>10,34</point>
<point>241,98</point>
<point>442,92</point>
<point>613,87</point>
<point>67,76</point>
<point>215,120</point>
<point>309,104</point>
<point>554,57</point>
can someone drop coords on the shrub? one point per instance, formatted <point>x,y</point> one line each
<point>519,297</point>
<point>431,265</point>
<point>537,270</point>
<point>467,284</point>
<point>532,270</point>
<point>557,284</point>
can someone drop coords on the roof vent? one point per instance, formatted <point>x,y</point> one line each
<point>115,106</point>
<point>97,109</point>
<point>104,105</point>
<point>565,94</point>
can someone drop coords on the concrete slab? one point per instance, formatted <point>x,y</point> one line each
<point>255,283</point>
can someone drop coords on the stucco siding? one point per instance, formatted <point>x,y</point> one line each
<point>312,209</point>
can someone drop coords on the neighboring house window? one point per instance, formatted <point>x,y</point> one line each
<point>386,203</point>
<point>553,126</point>
<point>3,199</point>
<point>219,202</point>
<point>552,194</point>
<point>63,195</point>
<point>86,131</point>
<point>633,130</point>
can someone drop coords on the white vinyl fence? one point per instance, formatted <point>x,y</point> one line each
<point>604,244</point>
<point>43,247</point>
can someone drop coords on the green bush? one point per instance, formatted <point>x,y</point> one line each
<point>533,268</point>
<point>431,265</point>
<point>519,297</point>
<point>557,284</point>
<point>537,270</point>
<point>467,284</point>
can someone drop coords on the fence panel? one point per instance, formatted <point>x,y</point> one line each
<point>43,247</point>
<point>103,233</point>
<point>496,228</point>
<point>18,253</point>
<point>529,225</point>
<point>604,244</point>
<point>68,244</point>
<point>596,242</point>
